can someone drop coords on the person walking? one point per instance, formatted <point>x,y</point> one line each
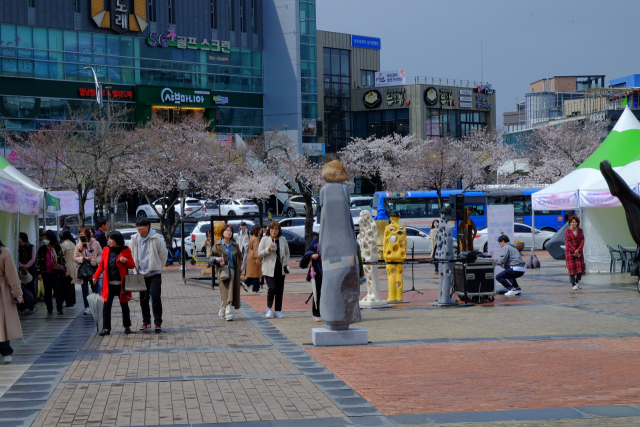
<point>312,256</point>
<point>433,241</point>
<point>10,289</point>
<point>263,232</point>
<point>69,281</point>
<point>150,256</point>
<point>101,234</point>
<point>228,258</point>
<point>253,271</point>
<point>114,265</point>
<point>274,252</point>
<point>243,238</point>
<point>514,267</point>
<point>27,262</point>
<point>574,244</point>
<point>87,250</point>
<point>51,265</point>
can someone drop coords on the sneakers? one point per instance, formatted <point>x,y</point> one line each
<point>221,313</point>
<point>513,292</point>
<point>244,287</point>
<point>158,329</point>
<point>259,291</point>
<point>317,319</point>
<point>229,312</point>
<point>269,314</point>
<point>7,359</point>
<point>575,287</point>
<point>145,328</point>
<point>87,311</point>
<point>278,315</point>
<point>578,284</point>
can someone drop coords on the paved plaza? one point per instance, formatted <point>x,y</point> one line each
<point>552,357</point>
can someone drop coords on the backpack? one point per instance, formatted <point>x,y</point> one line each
<point>28,300</point>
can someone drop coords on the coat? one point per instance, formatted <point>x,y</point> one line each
<point>269,257</point>
<point>103,266</point>
<point>574,243</point>
<point>68,248</point>
<point>10,288</point>
<point>254,262</point>
<point>92,245</point>
<point>158,253</point>
<point>234,296</point>
<point>433,240</point>
<point>41,258</point>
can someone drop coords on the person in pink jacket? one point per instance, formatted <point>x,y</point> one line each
<point>88,249</point>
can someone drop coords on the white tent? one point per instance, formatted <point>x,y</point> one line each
<point>20,203</point>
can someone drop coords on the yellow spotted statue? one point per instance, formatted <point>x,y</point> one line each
<point>395,250</point>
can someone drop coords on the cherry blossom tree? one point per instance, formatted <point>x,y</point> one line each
<point>167,151</point>
<point>80,154</point>
<point>554,151</point>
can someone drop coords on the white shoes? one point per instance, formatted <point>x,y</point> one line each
<point>513,293</point>
<point>575,287</point>
<point>228,315</point>
<point>7,359</point>
<point>279,315</point>
<point>317,319</point>
<point>269,314</point>
<point>221,312</point>
<point>87,311</point>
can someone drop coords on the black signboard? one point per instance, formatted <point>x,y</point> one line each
<point>372,99</point>
<point>431,96</point>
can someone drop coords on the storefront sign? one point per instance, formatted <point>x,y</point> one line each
<point>309,127</point>
<point>169,96</point>
<point>123,16</point>
<point>465,93</point>
<point>178,97</point>
<point>446,98</point>
<point>430,96</point>
<point>466,99</point>
<point>485,89</point>
<point>106,94</point>
<point>220,100</point>
<point>315,149</point>
<point>372,99</point>
<point>395,97</point>
<point>366,42</point>
<point>391,78</point>
<point>482,103</point>
<point>172,40</point>
<point>466,105</point>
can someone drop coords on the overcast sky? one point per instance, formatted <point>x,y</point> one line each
<point>523,41</point>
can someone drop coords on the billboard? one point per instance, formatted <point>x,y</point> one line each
<point>391,78</point>
<point>315,149</point>
<point>309,127</point>
<point>499,222</point>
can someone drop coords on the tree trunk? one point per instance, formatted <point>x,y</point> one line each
<point>308,222</point>
<point>81,201</point>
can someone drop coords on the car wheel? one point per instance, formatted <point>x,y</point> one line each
<point>142,214</point>
<point>486,247</point>
<point>291,212</point>
<point>232,213</point>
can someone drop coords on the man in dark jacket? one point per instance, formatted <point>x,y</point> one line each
<point>101,237</point>
<point>513,264</point>
<point>27,262</point>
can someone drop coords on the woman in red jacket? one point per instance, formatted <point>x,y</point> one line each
<point>115,263</point>
<point>574,244</point>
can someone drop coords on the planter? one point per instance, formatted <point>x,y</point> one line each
<point>519,246</point>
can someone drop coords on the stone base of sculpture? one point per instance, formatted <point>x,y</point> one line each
<point>353,336</point>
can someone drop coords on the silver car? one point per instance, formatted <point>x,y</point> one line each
<point>295,206</point>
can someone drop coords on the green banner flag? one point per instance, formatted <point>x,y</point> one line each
<point>53,203</point>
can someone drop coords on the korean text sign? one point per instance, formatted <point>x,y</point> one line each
<point>499,222</point>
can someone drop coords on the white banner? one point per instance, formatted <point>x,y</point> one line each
<point>499,222</point>
<point>9,197</point>
<point>391,78</point>
<point>29,203</point>
<point>551,202</point>
<point>70,205</point>
<point>600,199</point>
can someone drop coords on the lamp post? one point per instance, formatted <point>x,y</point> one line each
<point>98,87</point>
<point>182,186</point>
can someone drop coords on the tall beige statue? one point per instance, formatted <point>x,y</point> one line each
<point>367,239</point>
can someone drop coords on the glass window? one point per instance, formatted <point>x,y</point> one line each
<point>8,38</point>
<point>344,63</point>
<point>232,15</point>
<point>335,62</point>
<point>25,39</point>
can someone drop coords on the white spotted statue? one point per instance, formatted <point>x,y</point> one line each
<point>367,239</point>
<point>446,256</point>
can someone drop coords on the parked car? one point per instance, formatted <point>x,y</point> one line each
<point>296,242</point>
<point>237,207</point>
<point>127,233</point>
<point>362,202</point>
<point>521,232</point>
<point>296,225</point>
<point>193,208</point>
<point>418,240</point>
<point>295,206</point>
<point>199,233</point>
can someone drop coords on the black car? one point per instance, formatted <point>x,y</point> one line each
<point>295,242</point>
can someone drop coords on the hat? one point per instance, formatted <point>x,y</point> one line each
<point>394,213</point>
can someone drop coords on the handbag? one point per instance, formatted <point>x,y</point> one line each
<point>223,273</point>
<point>86,270</point>
<point>134,283</point>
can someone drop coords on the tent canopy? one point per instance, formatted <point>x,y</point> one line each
<point>620,147</point>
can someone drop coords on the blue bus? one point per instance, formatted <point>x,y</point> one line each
<point>419,208</point>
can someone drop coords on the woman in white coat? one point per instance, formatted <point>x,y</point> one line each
<point>274,252</point>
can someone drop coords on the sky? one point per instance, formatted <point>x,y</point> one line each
<point>522,41</point>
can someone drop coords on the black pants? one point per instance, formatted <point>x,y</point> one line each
<point>85,292</point>
<point>254,282</point>
<point>52,284</point>
<point>5,348</point>
<point>508,278</point>
<point>114,291</point>
<point>154,287</point>
<point>575,278</point>
<point>276,289</point>
<point>69,289</point>
<point>316,310</point>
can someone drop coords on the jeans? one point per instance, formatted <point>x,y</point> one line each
<point>154,288</point>
<point>508,275</point>
<point>52,284</point>
<point>85,292</point>
<point>276,289</point>
<point>114,291</point>
<point>575,278</point>
<point>5,348</point>
<point>254,282</point>
<point>315,308</point>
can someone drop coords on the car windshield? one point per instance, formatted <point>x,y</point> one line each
<point>355,213</point>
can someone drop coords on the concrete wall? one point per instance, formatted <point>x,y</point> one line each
<point>512,118</point>
<point>580,107</point>
<point>281,67</point>
<point>554,84</point>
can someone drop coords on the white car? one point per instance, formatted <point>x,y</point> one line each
<point>296,225</point>
<point>417,240</point>
<point>193,208</point>
<point>239,207</point>
<point>127,233</point>
<point>521,232</point>
<point>199,234</point>
<point>362,202</point>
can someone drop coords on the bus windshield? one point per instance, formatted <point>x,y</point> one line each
<point>418,207</point>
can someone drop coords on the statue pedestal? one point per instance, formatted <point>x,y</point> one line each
<point>322,337</point>
<point>374,304</point>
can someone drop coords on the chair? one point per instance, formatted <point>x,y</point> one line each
<point>614,260</point>
<point>628,256</point>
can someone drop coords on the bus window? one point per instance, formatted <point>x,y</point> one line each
<point>476,210</point>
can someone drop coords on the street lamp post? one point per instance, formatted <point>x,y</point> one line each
<point>98,87</point>
<point>182,186</point>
